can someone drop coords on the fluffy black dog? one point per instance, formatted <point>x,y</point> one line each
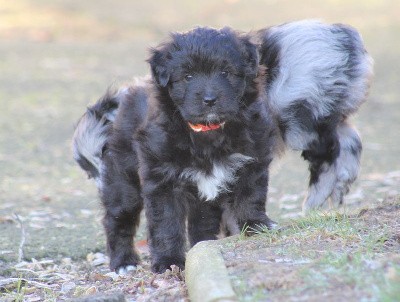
<point>203,143</point>
<point>203,140</point>
<point>318,75</point>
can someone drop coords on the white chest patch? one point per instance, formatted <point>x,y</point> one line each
<point>210,185</point>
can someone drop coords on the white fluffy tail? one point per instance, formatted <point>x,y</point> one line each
<point>91,132</point>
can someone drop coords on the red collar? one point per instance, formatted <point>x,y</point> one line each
<point>207,127</point>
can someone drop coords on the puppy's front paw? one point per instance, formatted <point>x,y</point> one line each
<point>124,263</point>
<point>165,263</point>
<point>252,227</point>
<point>124,270</point>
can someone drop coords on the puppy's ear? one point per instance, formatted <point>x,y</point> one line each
<point>251,56</point>
<point>159,65</point>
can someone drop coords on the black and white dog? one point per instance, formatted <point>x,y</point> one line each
<point>318,75</point>
<point>195,142</point>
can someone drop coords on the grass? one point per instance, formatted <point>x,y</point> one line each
<point>15,291</point>
<point>364,274</point>
<point>329,225</point>
<point>315,225</point>
<point>20,290</point>
<point>390,291</point>
<point>344,256</point>
<point>347,269</point>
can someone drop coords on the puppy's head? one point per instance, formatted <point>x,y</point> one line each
<point>206,73</point>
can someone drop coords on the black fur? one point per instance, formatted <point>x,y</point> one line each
<point>121,192</point>
<point>188,71</point>
<point>325,148</point>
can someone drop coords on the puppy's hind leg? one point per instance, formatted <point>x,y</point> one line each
<point>321,154</point>
<point>347,165</point>
<point>334,165</point>
<point>121,198</point>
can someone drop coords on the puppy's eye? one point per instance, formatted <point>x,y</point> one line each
<point>224,73</point>
<point>188,77</point>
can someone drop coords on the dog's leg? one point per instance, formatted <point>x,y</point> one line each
<point>203,221</point>
<point>229,223</point>
<point>250,194</point>
<point>165,213</point>
<point>334,165</point>
<point>318,141</point>
<point>332,148</point>
<point>121,198</point>
<point>322,154</point>
<point>347,165</point>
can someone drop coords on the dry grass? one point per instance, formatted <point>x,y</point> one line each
<point>330,255</point>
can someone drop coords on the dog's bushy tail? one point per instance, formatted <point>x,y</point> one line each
<point>91,133</point>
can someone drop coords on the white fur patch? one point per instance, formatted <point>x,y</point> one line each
<point>320,191</point>
<point>297,138</point>
<point>88,141</point>
<point>89,138</point>
<point>210,185</point>
<point>122,271</point>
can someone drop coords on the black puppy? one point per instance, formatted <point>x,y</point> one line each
<point>201,150</point>
<point>206,143</point>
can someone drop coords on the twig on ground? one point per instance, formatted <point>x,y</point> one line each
<point>4,282</point>
<point>22,242</point>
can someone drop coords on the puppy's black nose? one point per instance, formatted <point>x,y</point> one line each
<point>209,100</point>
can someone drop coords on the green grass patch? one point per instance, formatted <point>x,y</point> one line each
<point>315,226</point>
<point>390,291</point>
<point>344,251</point>
<point>346,229</point>
<point>361,273</point>
<point>15,291</point>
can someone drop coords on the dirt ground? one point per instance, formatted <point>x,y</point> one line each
<point>58,56</point>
